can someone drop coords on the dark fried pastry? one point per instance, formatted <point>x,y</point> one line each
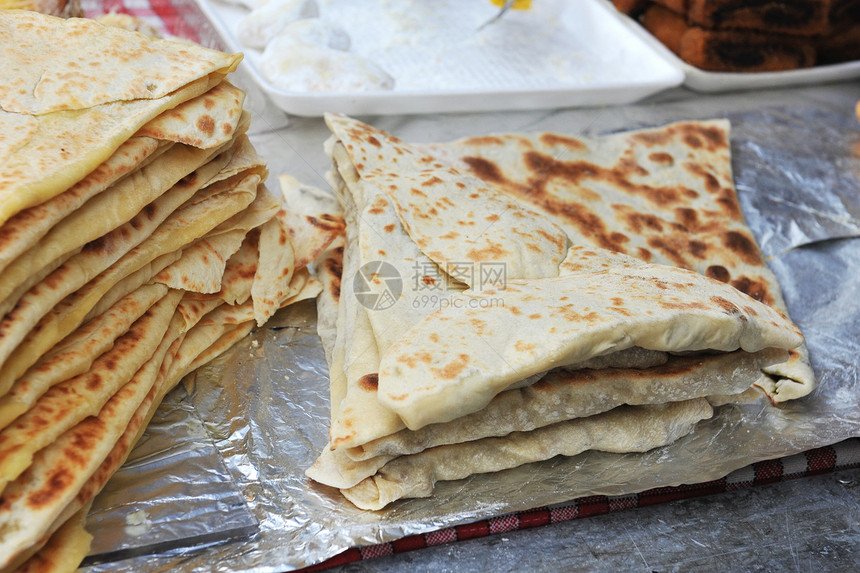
<point>732,51</point>
<point>841,43</point>
<point>632,8</point>
<point>844,12</point>
<point>666,25</point>
<point>728,50</point>
<point>679,6</point>
<point>801,17</point>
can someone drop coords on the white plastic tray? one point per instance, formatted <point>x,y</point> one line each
<point>715,82</point>
<point>583,56</point>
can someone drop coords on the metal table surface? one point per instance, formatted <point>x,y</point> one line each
<point>808,524</point>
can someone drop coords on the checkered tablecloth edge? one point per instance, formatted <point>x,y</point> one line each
<point>827,459</point>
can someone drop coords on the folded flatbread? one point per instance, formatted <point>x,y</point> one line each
<point>206,121</point>
<point>34,501</point>
<point>312,217</point>
<point>453,218</point>
<point>44,319</point>
<point>559,396</point>
<point>59,126</point>
<point>104,213</point>
<point>69,402</point>
<point>456,359</point>
<point>622,430</point>
<point>663,195</point>
<point>67,546</point>
<point>131,201</point>
<point>366,188</point>
<point>329,267</point>
<point>85,201</point>
<point>75,354</point>
<point>570,340</point>
<point>270,265</point>
<point>435,238</point>
<point>25,229</point>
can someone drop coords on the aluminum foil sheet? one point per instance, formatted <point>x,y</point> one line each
<point>219,476</point>
<point>175,466</point>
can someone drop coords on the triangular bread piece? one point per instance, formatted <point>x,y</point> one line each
<point>459,357</point>
<point>57,126</point>
<point>664,195</point>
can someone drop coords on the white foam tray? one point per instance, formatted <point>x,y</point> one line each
<point>583,55</point>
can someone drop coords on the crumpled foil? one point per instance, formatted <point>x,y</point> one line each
<point>218,482</point>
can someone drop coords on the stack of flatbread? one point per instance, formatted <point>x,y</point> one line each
<point>556,294</point>
<point>137,242</point>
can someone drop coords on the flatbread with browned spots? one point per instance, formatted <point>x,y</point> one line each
<point>451,217</point>
<point>57,304</point>
<point>275,240</point>
<point>76,353</point>
<point>438,372</point>
<point>406,380</point>
<point>393,213</point>
<point>201,267</point>
<point>24,229</point>
<point>312,217</point>
<point>119,187</point>
<point>133,208</point>
<point>563,394</point>
<point>374,197</point>
<point>104,213</point>
<point>59,126</point>
<point>32,503</point>
<point>664,195</point>
<point>67,546</point>
<point>69,402</point>
<point>206,121</point>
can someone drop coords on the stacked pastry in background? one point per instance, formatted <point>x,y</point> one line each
<point>137,242</point>
<point>722,35</point>
<point>508,298</point>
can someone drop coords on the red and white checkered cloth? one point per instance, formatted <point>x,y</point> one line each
<point>843,455</point>
<point>183,18</point>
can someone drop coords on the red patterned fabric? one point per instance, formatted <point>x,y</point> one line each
<point>170,17</point>
<point>844,455</point>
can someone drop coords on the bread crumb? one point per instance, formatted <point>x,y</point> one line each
<point>137,523</point>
